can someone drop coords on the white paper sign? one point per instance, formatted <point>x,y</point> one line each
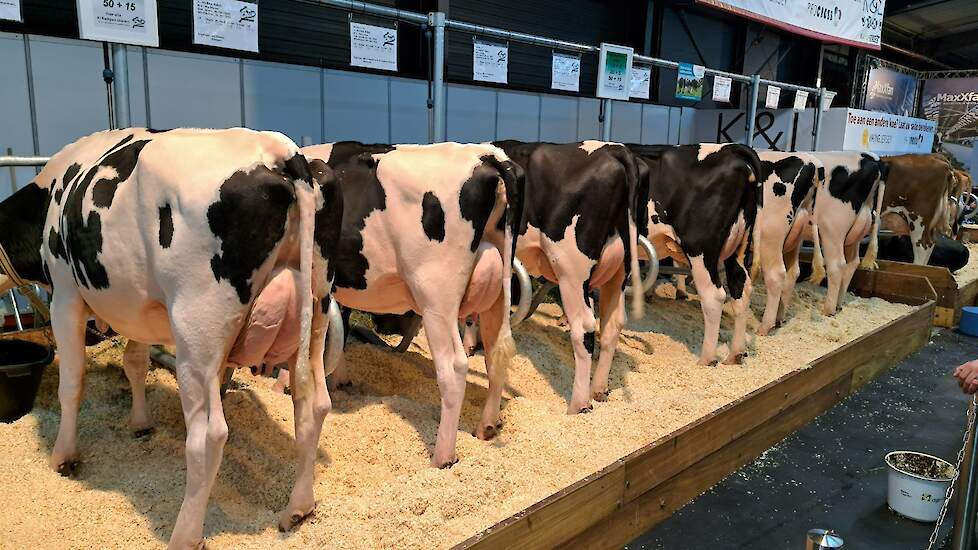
<point>614,71</point>
<point>827,98</point>
<point>226,24</point>
<point>857,23</point>
<point>886,133</point>
<point>566,72</point>
<point>373,47</point>
<point>123,21</point>
<point>773,95</point>
<point>10,10</point>
<point>801,99</point>
<point>721,88</point>
<point>641,79</point>
<point>490,62</point>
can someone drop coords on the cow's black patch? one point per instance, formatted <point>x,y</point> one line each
<point>478,197</point>
<point>82,236</point>
<point>55,245</point>
<point>779,189</point>
<point>155,131</point>
<point>329,218</point>
<point>432,217</point>
<point>22,218</point>
<point>70,174</point>
<point>804,184</point>
<point>250,220</point>
<point>854,187</point>
<point>589,342</point>
<point>166,226</point>
<point>361,194</point>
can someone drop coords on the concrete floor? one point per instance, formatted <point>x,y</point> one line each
<point>830,474</point>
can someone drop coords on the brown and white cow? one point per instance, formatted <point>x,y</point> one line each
<point>789,181</point>
<point>919,189</point>
<point>701,209</point>
<point>429,229</point>
<point>848,202</point>
<point>170,237</point>
<point>580,231</point>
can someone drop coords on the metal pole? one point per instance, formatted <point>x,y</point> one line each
<point>24,161</point>
<point>437,22</point>
<point>817,127</point>
<point>962,535</point>
<point>606,121</point>
<point>13,304</point>
<point>755,88</point>
<point>13,173</point>
<point>120,85</point>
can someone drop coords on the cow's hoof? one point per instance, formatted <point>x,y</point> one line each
<point>488,432</point>
<point>586,410</point>
<point>601,396</point>
<point>290,519</point>
<point>143,433</point>
<point>68,468</point>
<point>734,359</point>
<point>445,465</point>
<point>344,386</point>
<point>682,296</point>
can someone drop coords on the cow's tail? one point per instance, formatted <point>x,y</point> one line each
<point>818,262</point>
<point>869,260</point>
<point>755,266</point>
<point>297,168</point>
<point>637,219</point>
<point>511,196</point>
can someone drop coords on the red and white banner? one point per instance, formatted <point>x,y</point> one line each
<point>852,22</point>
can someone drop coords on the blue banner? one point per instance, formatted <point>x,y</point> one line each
<point>890,92</point>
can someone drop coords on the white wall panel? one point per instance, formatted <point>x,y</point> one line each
<point>193,90</point>
<point>137,86</point>
<point>626,122</point>
<point>558,119</point>
<point>409,111</point>
<point>655,124</point>
<point>283,98</point>
<point>14,110</point>
<point>357,107</point>
<point>588,126</point>
<point>471,114</point>
<point>518,116</point>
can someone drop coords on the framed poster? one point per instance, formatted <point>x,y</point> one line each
<point>228,24</point>
<point>565,72</point>
<point>614,72</point>
<point>772,98</point>
<point>490,61</point>
<point>641,81</point>
<point>721,88</point>
<point>373,47</point>
<point>689,81</point>
<point>10,11</point>
<point>122,21</point>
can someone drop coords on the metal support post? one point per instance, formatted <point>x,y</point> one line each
<point>817,126</point>
<point>755,88</point>
<point>437,22</point>
<point>962,535</point>
<point>120,85</point>
<point>606,121</point>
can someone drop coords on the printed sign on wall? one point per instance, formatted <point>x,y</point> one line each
<point>373,47</point>
<point>490,61</point>
<point>886,133</point>
<point>890,92</point>
<point>566,72</point>
<point>614,72</point>
<point>641,79</point>
<point>827,98</point>
<point>226,24</point>
<point>801,99</point>
<point>856,23</point>
<point>123,21</point>
<point>772,98</point>
<point>689,81</point>
<point>10,10</point>
<point>721,88</point>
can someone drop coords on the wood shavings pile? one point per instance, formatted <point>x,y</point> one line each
<point>373,481</point>
<point>969,272</point>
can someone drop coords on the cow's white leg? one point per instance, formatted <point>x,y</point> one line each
<point>135,362</point>
<point>310,406</point>
<point>451,366</point>
<point>775,276</point>
<point>681,293</point>
<point>793,270</point>
<point>738,279</point>
<point>612,311</point>
<point>835,262</point>
<point>68,323</point>
<point>712,297</point>
<point>580,321</point>
<point>489,322</point>
<point>849,269</point>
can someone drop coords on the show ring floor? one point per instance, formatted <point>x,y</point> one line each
<point>373,481</point>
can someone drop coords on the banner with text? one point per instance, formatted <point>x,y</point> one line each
<point>226,24</point>
<point>123,21</point>
<point>10,10</point>
<point>952,103</point>
<point>889,91</point>
<point>853,22</point>
<point>373,47</point>
<point>886,133</point>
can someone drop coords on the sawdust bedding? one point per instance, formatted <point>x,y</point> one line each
<point>374,484</point>
<point>969,272</point>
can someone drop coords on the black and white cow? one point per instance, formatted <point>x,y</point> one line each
<point>170,237</point>
<point>848,203</point>
<point>702,206</point>
<point>428,229</point>
<point>789,181</point>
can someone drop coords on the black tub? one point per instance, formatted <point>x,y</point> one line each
<point>21,366</point>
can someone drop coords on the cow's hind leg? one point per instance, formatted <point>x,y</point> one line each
<point>581,322</point>
<point>848,270</point>
<point>712,297</point>
<point>451,366</point>
<point>489,323</point>
<point>135,362</point>
<point>68,323</point>
<point>793,270</point>
<point>738,280</point>
<point>612,311</point>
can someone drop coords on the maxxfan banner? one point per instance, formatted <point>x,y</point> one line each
<point>853,22</point>
<point>889,91</point>
<point>953,104</point>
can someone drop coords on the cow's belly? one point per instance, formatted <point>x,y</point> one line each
<point>860,226</point>
<point>385,294</point>
<point>134,316</point>
<point>798,229</point>
<point>734,238</point>
<point>529,250</point>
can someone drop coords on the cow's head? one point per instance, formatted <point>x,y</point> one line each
<point>22,218</point>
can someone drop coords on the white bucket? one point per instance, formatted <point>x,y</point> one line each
<point>915,496</point>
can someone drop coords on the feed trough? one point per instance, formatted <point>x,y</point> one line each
<point>21,366</point>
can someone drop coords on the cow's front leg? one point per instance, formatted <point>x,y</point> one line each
<point>451,366</point>
<point>580,320</point>
<point>311,404</point>
<point>740,287</point>
<point>612,311</point>
<point>712,296</point>
<point>68,323</point>
<point>489,323</point>
<point>135,363</point>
